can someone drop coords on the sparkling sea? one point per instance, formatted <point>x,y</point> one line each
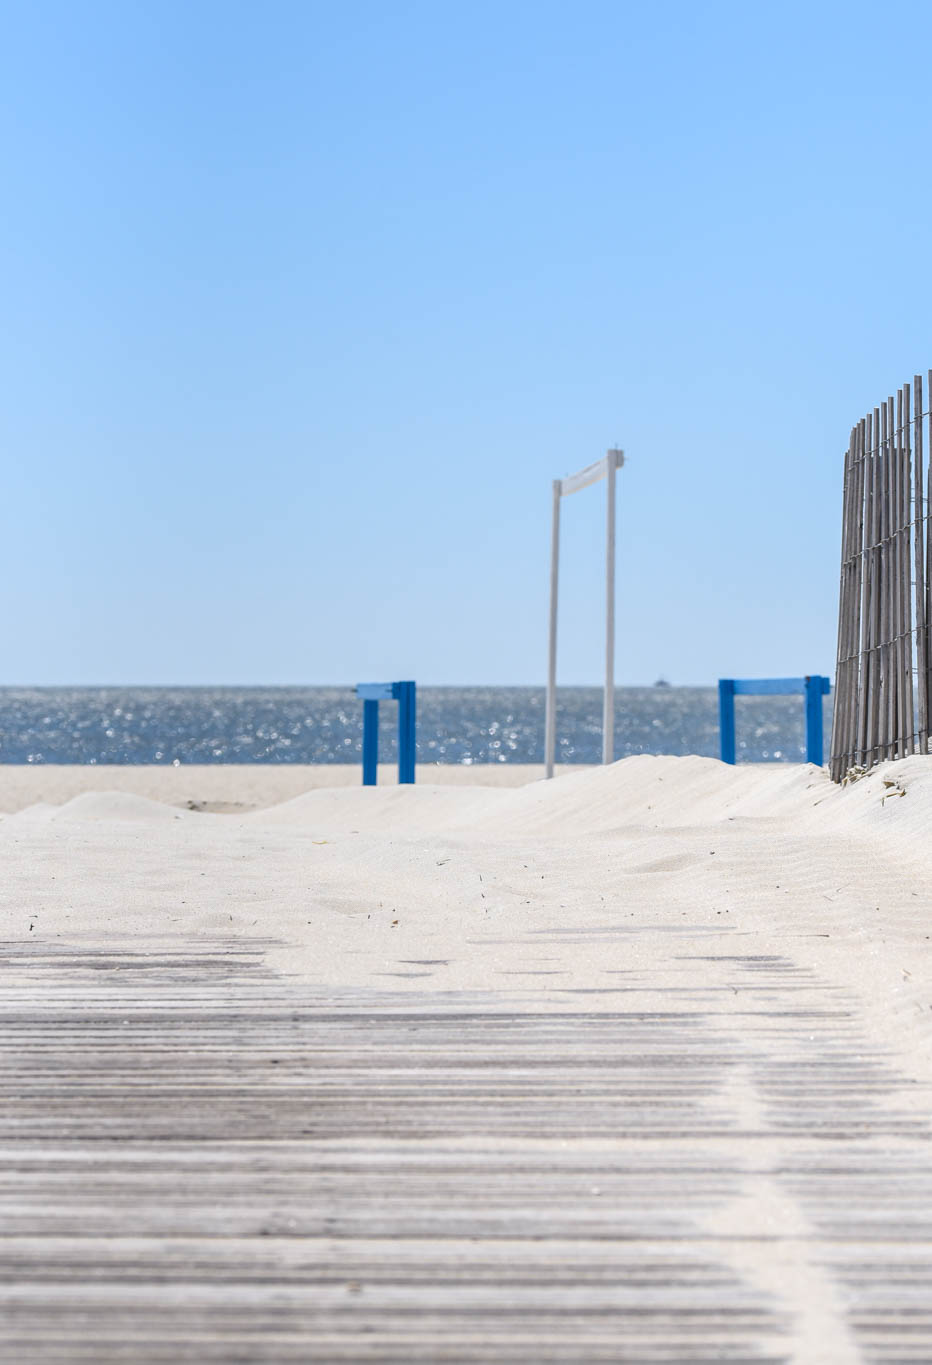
<point>324,725</point>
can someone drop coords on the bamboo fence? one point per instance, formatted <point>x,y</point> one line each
<point>882,676</point>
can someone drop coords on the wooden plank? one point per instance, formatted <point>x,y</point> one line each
<point>924,601</point>
<point>844,680</point>
<point>895,594</point>
<point>857,598</point>
<point>886,687</point>
<point>906,597</point>
<point>202,1162</point>
<point>898,584</point>
<point>856,557</point>
<point>876,593</point>
<point>905,576</point>
<point>927,534</point>
<point>866,662</point>
<point>879,588</point>
<point>892,672</point>
<point>838,756</point>
<point>922,682</point>
<point>859,714</point>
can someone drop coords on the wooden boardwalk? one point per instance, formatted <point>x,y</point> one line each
<point>201,1161</point>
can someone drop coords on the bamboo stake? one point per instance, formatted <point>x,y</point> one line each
<point>874,748</point>
<point>927,531</point>
<point>853,592</point>
<point>896,584</point>
<point>886,629</point>
<point>896,482</point>
<point>886,691</point>
<point>896,633</point>
<point>925,513</point>
<point>922,680</point>
<point>857,576</point>
<point>864,670</point>
<point>842,668</point>
<point>906,608</point>
<point>837,726</point>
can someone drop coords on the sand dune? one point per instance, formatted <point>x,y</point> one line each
<point>112,806</point>
<point>350,881</point>
<point>648,791</point>
<point>232,787</point>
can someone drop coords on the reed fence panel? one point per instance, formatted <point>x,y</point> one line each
<point>882,681</point>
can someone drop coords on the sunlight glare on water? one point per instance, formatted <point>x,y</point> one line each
<point>324,725</point>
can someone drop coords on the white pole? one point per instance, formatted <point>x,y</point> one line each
<point>550,721</point>
<point>608,699</point>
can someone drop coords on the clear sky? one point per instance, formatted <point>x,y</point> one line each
<point>304,306</point>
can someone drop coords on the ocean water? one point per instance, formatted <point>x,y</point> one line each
<point>324,725</point>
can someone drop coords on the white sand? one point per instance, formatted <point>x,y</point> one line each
<point>232,787</point>
<point>357,884</point>
<point>633,883</point>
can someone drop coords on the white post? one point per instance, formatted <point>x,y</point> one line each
<point>562,488</point>
<point>608,699</point>
<point>550,720</point>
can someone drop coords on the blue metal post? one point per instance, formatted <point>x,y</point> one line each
<point>816,688</point>
<point>726,718</point>
<point>407,726</point>
<point>370,743</point>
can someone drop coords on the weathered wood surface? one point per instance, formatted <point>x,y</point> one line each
<point>882,683</point>
<point>922,661</point>
<point>203,1162</point>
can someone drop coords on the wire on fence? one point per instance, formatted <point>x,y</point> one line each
<point>882,675</point>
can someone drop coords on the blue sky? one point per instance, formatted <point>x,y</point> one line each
<point>305,305</point>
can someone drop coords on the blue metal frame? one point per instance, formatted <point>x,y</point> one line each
<point>405,693</point>
<point>813,688</point>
